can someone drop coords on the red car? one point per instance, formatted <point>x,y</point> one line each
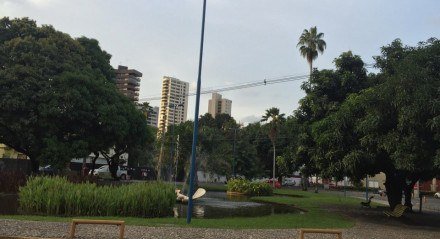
<point>277,184</point>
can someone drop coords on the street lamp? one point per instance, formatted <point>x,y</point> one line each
<point>174,106</point>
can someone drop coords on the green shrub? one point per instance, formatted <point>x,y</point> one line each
<point>249,188</point>
<point>260,189</point>
<point>58,196</point>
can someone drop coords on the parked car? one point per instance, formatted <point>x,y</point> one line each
<point>382,192</point>
<point>437,195</point>
<point>277,184</point>
<point>291,181</point>
<point>104,172</point>
<point>48,170</point>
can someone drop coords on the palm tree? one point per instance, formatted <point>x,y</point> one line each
<point>310,43</point>
<point>273,114</point>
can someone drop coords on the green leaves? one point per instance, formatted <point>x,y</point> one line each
<point>58,101</point>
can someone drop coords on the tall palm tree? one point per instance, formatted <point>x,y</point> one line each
<point>310,43</point>
<point>273,115</point>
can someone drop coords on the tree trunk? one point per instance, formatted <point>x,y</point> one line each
<point>159,161</point>
<point>408,190</point>
<point>112,164</point>
<point>304,182</point>
<point>113,168</point>
<point>94,162</point>
<point>311,69</point>
<point>83,167</point>
<point>394,186</point>
<point>35,164</point>
<point>273,167</point>
<point>316,184</point>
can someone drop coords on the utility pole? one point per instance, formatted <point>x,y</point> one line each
<point>233,159</point>
<point>196,122</point>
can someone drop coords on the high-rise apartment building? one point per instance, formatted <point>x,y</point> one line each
<point>217,105</point>
<point>153,116</point>
<point>128,82</point>
<point>174,102</point>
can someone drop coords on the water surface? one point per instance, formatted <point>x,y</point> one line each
<point>220,205</point>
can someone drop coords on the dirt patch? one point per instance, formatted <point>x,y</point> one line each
<point>375,216</point>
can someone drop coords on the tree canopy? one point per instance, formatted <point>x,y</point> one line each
<point>58,101</point>
<point>391,127</point>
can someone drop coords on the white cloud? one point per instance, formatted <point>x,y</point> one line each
<point>249,119</point>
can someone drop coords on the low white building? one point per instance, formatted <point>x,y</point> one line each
<point>206,177</point>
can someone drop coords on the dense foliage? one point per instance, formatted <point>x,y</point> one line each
<point>354,124</point>
<point>57,196</point>
<point>390,127</point>
<point>58,99</point>
<point>249,188</point>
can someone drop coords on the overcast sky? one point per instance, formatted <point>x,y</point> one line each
<point>245,40</point>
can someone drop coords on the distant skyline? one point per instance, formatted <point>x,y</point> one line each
<point>245,40</point>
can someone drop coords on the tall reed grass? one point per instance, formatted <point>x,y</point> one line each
<point>57,196</point>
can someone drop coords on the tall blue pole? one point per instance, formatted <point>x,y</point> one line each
<point>196,123</point>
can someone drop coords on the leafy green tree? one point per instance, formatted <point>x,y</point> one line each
<point>184,133</point>
<point>391,127</point>
<point>57,101</point>
<point>325,91</point>
<point>207,120</point>
<point>247,162</point>
<point>253,151</point>
<point>276,119</point>
<point>310,43</point>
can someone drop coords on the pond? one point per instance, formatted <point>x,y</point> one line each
<point>212,205</point>
<point>220,205</point>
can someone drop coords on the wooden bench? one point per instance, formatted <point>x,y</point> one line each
<point>398,211</point>
<point>121,225</point>
<point>18,237</point>
<point>303,231</point>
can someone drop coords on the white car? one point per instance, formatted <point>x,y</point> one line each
<point>104,172</point>
<point>437,195</point>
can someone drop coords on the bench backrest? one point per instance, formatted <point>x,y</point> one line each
<point>399,209</point>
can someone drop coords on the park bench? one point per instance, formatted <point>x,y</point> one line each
<point>121,225</point>
<point>303,231</point>
<point>397,212</point>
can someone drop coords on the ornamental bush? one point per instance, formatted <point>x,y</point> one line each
<point>58,196</point>
<point>250,188</point>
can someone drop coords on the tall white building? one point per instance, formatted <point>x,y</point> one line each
<point>174,102</point>
<point>217,105</point>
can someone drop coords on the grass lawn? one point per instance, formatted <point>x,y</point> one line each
<point>314,217</point>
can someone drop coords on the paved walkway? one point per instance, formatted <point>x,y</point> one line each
<point>363,230</point>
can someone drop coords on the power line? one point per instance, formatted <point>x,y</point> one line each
<point>241,86</point>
